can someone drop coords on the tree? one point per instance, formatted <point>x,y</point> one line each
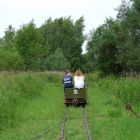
<point>56,61</point>
<point>8,39</point>
<point>36,46</point>
<point>102,48</point>
<point>68,36</point>
<point>128,16</point>
<point>10,59</point>
<point>1,41</point>
<point>114,47</point>
<point>28,44</point>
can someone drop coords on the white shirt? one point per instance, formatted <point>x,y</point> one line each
<point>79,82</point>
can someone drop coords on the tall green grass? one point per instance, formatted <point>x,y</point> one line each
<point>106,107</point>
<point>127,89</point>
<point>16,90</point>
<point>32,102</point>
<point>33,99</point>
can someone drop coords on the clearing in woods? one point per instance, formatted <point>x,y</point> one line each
<point>41,117</point>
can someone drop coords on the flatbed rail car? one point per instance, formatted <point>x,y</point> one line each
<point>75,96</point>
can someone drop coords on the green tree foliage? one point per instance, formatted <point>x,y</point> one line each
<point>1,41</point>
<point>102,47</point>
<point>8,39</point>
<point>56,45</point>
<point>28,44</point>
<point>10,59</point>
<point>63,33</point>
<point>114,47</point>
<point>129,18</point>
<point>56,61</point>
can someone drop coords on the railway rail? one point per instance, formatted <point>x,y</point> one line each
<point>85,123</point>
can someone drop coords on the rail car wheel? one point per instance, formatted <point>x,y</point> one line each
<point>67,105</point>
<point>75,102</point>
<point>83,105</point>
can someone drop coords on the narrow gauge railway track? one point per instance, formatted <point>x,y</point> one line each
<point>62,135</point>
<point>85,122</point>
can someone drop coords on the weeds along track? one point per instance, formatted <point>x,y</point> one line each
<point>85,124</point>
<point>41,134</point>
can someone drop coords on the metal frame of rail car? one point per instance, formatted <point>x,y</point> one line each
<point>75,96</point>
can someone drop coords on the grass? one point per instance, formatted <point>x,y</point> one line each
<point>110,120</point>
<point>33,103</point>
<point>36,115</point>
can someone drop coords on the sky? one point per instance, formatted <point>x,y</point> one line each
<point>19,12</point>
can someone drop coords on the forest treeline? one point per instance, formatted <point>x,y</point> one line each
<point>112,48</point>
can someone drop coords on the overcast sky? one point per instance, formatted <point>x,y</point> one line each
<point>17,12</point>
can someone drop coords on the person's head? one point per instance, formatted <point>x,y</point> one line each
<point>78,73</point>
<point>67,72</point>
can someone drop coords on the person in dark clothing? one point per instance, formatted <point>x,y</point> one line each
<point>68,80</point>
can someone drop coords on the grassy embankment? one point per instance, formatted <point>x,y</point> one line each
<point>31,103</point>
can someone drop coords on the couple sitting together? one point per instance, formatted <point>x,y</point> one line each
<point>78,80</point>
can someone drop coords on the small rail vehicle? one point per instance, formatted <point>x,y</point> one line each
<point>75,96</point>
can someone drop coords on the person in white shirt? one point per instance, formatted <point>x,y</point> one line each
<point>79,79</point>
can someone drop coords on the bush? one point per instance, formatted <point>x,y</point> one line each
<point>10,59</point>
<point>56,61</point>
